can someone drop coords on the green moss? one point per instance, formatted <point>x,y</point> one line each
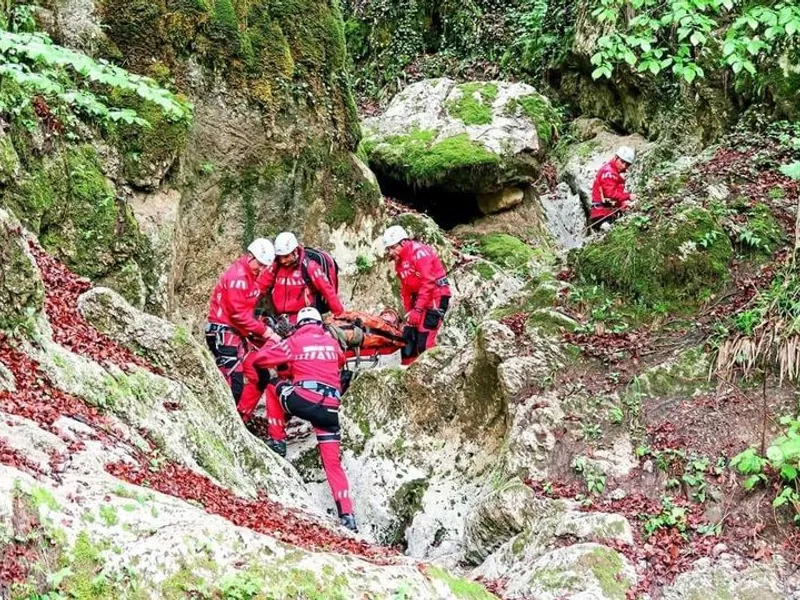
<point>606,566</point>
<point>21,289</point>
<point>186,580</point>
<point>69,202</point>
<point>473,106</point>
<point>85,563</point>
<point>145,150</point>
<point>555,580</point>
<point>42,497</point>
<point>505,250</point>
<point>351,193</point>
<point>761,233</point>
<point>519,543</point>
<point>108,513</point>
<point>676,262</point>
<point>308,464</point>
<point>414,158</point>
<point>485,270</point>
<point>683,377</point>
<point>541,113</point>
<point>460,588</point>
<point>9,161</point>
<point>421,228</point>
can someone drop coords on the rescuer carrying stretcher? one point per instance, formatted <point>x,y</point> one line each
<point>296,358</point>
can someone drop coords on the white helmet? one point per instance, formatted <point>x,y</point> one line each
<point>309,313</point>
<point>262,251</point>
<point>394,235</point>
<point>285,243</point>
<point>627,154</point>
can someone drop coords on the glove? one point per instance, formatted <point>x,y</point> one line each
<point>283,328</point>
<point>256,339</point>
<point>271,336</point>
<point>414,318</point>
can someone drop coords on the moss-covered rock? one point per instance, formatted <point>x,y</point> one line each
<point>473,104</point>
<point>416,158</point>
<point>469,138</point>
<point>728,577</point>
<point>69,202</point>
<point>588,568</point>
<point>9,161</point>
<point>147,153</point>
<point>21,289</point>
<point>675,261</point>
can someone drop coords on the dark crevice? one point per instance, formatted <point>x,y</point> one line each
<point>445,207</point>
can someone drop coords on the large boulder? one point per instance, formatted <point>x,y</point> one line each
<point>729,577</point>
<point>476,138</point>
<point>126,541</point>
<point>580,571</point>
<point>511,527</point>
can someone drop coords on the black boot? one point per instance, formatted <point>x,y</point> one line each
<point>277,446</point>
<point>349,521</point>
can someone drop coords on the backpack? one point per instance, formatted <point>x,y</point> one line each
<point>330,268</point>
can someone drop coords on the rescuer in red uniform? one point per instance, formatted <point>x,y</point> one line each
<point>609,197</point>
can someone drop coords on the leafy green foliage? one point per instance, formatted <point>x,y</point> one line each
<point>680,36</point>
<point>669,516</point>
<point>595,479</point>
<point>71,80</point>
<point>782,462</point>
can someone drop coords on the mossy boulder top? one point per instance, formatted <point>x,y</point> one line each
<point>475,137</point>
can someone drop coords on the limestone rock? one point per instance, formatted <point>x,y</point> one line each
<point>565,216</point>
<point>206,432</point>
<point>199,429</point>
<point>7,381</point>
<point>532,436</point>
<point>21,289</point>
<point>579,571</point>
<point>157,214</point>
<point>163,547</point>
<point>9,161</point>
<point>519,372</point>
<point>617,462</point>
<point>475,137</point>
<point>498,201</point>
<point>502,515</point>
<point>729,577</point>
<point>478,287</point>
<point>511,528</point>
<point>164,344</point>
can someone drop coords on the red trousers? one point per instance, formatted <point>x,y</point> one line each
<point>323,414</point>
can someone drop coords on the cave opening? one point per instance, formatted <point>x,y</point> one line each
<point>447,208</point>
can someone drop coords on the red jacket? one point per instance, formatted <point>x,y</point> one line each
<point>290,292</point>
<point>235,297</point>
<point>422,277</point>
<point>311,354</point>
<point>609,184</point>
